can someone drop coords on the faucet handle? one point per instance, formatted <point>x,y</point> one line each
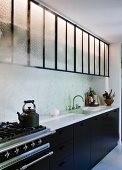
<point>77,106</point>
<point>69,108</point>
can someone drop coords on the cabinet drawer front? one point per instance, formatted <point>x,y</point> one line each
<point>62,151</point>
<point>64,164</point>
<point>62,135</point>
<point>81,128</point>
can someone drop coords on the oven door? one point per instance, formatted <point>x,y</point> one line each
<point>36,162</point>
<point>33,159</point>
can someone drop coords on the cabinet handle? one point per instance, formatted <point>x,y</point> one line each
<point>60,132</point>
<point>37,160</point>
<point>62,163</point>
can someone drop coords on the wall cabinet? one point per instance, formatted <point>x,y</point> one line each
<point>42,38</point>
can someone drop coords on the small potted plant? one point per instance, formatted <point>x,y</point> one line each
<point>109,97</point>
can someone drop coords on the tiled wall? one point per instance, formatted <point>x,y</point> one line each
<point>49,89</point>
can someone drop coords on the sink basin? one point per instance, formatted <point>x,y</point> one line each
<point>94,109</point>
<point>80,110</point>
<point>87,110</point>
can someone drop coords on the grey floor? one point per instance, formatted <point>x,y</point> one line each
<point>113,161</point>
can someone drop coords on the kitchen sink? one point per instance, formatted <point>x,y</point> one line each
<point>94,109</point>
<point>86,110</point>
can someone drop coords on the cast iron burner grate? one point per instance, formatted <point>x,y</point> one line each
<point>13,130</point>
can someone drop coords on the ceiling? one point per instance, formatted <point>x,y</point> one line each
<point>100,17</point>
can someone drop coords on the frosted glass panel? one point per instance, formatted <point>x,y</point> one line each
<point>106,60</point>
<point>20,32</point>
<point>49,40</point>
<point>36,35</point>
<point>70,47</point>
<point>61,57</point>
<point>91,55</point>
<point>96,56</point>
<point>85,52</point>
<point>5,31</point>
<point>5,11</point>
<point>20,13</point>
<point>78,50</point>
<point>101,58</point>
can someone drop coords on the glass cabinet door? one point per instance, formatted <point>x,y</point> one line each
<point>92,55</point>
<point>78,50</point>
<point>106,61</point>
<point>20,33</point>
<point>70,47</point>
<point>49,40</point>
<point>96,56</point>
<point>85,52</point>
<point>61,44</point>
<point>102,58</point>
<point>36,35</point>
<point>5,31</point>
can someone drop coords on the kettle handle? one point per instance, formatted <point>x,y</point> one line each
<point>28,101</point>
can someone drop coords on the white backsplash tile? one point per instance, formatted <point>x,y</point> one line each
<point>49,89</point>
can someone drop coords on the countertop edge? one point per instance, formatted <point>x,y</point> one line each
<point>71,118</point>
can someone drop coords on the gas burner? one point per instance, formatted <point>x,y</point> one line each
<point>13,130</point>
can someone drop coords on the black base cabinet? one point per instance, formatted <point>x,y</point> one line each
<point>82,145</point>
<point>113,126</point>
<point>64,164</point>
<point>94,139</point>
<point>62,143</point>
<point>98,141</point>
<point>82,138</point>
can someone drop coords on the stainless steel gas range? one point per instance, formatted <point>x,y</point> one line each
<point>22,148</point>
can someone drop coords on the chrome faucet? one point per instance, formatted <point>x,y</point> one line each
<point>73,107</point>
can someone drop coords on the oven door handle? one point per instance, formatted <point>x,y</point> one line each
<point>37,160</point>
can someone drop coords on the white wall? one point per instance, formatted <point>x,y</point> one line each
<point>49,89</point>
<point>115,75</point>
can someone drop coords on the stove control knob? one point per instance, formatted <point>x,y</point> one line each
<point>25,147</point>
<point>33,144</point>
<point>39,141</point>
<point>7,154</point>
<point>16,151</point>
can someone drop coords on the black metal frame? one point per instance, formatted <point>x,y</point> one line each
<point>56,41</point>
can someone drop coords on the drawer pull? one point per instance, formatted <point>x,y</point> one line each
<point>62,163</point>
<point>60,132</point>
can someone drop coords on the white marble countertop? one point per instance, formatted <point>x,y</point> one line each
<point>65,119</point>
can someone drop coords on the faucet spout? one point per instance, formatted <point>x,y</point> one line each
<point>74,100</point>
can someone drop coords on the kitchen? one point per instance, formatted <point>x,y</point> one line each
<point>50,89</point>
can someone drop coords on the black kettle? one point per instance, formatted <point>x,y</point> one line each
<point>29,117</point>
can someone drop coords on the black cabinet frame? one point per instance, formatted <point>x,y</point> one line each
<point>66,44</point>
